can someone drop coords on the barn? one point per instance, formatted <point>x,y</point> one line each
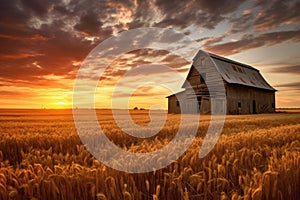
<point>246,91</point>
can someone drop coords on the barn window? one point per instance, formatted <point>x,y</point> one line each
<point>234,67</point>
<point>177,103</point>
<point>203,77</point>
<point>243,80</point>
<point>239,104</point>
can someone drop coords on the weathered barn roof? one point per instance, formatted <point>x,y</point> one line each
<point>238,73</point>
<point>176,93</point>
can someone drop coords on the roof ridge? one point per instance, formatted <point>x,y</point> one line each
<point>231,61</point>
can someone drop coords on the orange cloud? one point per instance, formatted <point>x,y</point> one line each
<point>35,37</point>
<point>20,56</point>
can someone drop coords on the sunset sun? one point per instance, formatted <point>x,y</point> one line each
<point>60,104</point>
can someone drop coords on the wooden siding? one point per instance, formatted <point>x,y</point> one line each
<point>248,100</point>
<point>175,104</point>
<point>200,89</point>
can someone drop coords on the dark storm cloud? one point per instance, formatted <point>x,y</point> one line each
<point>242,23</point>
<point>89,24</point>
<point>36,7</point>
<point>295,69</point>
<point>35,42</point>
<point>275,13</point>
<point>254,41</point>
<point>203,13</point>
<point>181,14</point>
<point>11,12</point>
<point>266,15</point>
<point>142,14</point>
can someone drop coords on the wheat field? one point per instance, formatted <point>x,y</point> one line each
<point>42,157</point>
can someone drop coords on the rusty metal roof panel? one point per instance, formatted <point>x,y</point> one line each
<point>238,73</point>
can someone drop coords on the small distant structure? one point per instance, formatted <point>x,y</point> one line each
<point>247,92</point>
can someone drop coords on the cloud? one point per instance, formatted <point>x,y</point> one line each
<point>275,13</point>
<point>20,56</point>
<point>11,93</point>
<point>211,41</point>
<point>129,61</point>
<point>46,34</point>
<point>266,15</point>
<point>241,23</point>
<point>291,86</point>
<point>89,23</point>
<point>294,69</point>
<point>11,12</point>
<point>203,13</point>
<point>254,41</point>
<point>34,37</point>
<point>36,7</point>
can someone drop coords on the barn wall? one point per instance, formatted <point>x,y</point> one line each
<point>240,99</point>
<point>237,95</point>
<point>191,104</point>
<point>174,103</point>
<point>194,77</point>
<point>201,90</point>
<point>247,100</point>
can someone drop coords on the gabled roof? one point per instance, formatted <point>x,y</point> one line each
<point>238,73</point>
<point>175,94</point>
<point>231,61</point>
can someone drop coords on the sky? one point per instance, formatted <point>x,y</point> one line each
<point>44,43</point>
